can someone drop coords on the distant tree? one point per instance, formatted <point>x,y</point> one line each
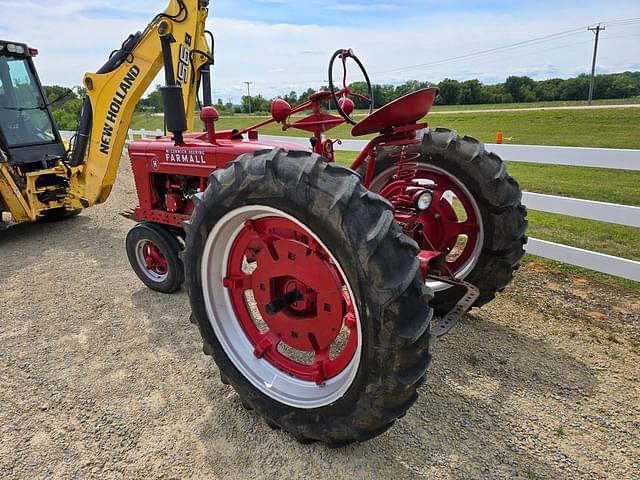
<point>408,87</point>
<point>258,104</point>
<point>471,92</point>
<point>305,95</point>
<point>61,94</point>
<point>548,90</point>
<point>67,117</point>
<point>291,98</point>
<point>520,88</point>
<point>575,88</point>
<point>361,89</point>
<point>154,100</point>
<point>450,91</point>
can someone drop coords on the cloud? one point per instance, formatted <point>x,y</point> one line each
<point>289,51</point>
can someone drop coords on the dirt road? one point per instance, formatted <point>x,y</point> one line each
<point>101,378</point>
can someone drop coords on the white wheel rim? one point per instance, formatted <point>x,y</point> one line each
<point>154,276</point>
<point>381,180</point>
<point>269,380</point>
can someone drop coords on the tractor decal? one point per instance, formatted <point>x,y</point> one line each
<point>181,155</point>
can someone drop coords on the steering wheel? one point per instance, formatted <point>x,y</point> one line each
<point>344,109</point>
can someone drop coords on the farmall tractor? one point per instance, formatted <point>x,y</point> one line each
<point>315,286</point>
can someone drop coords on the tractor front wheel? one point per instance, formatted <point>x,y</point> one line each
<point>154,254</point>
<point>308,296</point>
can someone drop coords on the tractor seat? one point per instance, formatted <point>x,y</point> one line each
<point>405,110</point>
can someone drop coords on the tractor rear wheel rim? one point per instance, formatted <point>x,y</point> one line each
<point>151,260</point>
<point>285,315</point>
<point>443,230</point>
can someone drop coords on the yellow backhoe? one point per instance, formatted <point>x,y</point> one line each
<point>39,177</point>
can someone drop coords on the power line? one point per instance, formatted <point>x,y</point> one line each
<point>537,52</point>
<point>482,53</point>
<point>525,43</point>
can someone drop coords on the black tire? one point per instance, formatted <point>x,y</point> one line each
<point>380,263</point>
<point>498,197</point>
<point>59,214</point>
<point>170,249</point>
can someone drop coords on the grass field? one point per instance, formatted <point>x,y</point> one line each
<point>612,128</point>
<point>516,106</point>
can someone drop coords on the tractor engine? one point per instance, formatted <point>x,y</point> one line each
<point>167,175</point>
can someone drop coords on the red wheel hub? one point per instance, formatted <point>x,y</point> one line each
<point>154,260</point>
<point>440,227</point>
<point>300,303</point>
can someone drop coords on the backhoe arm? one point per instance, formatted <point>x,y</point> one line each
<point>114,91</point>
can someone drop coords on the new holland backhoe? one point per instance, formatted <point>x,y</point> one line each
<point>317,289</point>
<point>38,176</point>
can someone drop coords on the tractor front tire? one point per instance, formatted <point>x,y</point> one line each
<point>311,218</point>
<point>154,254</point>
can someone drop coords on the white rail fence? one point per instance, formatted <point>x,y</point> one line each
<point>618,159</point>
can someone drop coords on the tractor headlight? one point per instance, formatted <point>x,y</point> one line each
<point>424,201</point>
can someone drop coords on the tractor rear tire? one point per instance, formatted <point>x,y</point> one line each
<point>498,199</point>
<point>165,272</point>
<point>377,262</point>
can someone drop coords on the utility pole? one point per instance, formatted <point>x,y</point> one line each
<point>596,30</point>
<point>249,93</point>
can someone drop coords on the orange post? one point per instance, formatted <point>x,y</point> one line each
<point>500,138</point>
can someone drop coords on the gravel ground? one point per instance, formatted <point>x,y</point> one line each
<point>102,378</point>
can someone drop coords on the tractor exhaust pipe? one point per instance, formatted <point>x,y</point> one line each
<point>175,118</point>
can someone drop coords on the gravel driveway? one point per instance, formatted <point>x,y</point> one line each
<point>102,378</point>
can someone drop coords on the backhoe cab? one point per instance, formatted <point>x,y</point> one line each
<point>29,139</point>
<point>28,134</point>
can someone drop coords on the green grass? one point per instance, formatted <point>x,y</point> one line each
<point>602,237</point>
<point>617,128</point>
<point>610,128</point>
<point>599,184</point>
<point>613,128</point>
<point>515,106</point>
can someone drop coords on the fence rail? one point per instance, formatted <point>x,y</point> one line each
<point>611,158</point>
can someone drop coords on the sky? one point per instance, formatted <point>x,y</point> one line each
<point>282,45</point>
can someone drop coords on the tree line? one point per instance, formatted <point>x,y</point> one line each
<point>516,89</point>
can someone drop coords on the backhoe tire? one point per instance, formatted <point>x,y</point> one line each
<point>346,226</point>
<point>498,199</point>
<point>154,254</point>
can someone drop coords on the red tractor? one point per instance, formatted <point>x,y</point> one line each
<point>318,288</point>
